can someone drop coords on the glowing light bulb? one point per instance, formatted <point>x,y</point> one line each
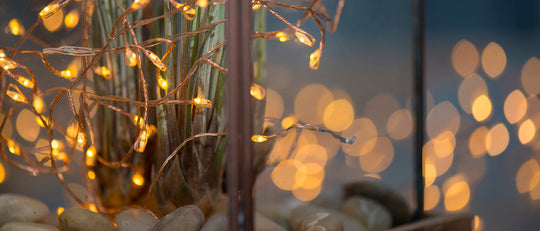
<point>201,102</point>
<point>202,3</point>
<point>81,139</point>
<point>91,175</point>
<point>103,71</point>
<point>257,91</point>
<point>130,58</point>
<point>38,104</point>
<point>14,93</point>
<point>187,11</point>
<point>67,74</point>
<point>314,59</point>
<point>93,208</point>
<point>303,38</point>
<point>13,147</point>
<point>255,4</point>
<point>40,122</point>
<point>49,10</point>
<point>7,64</point>
<point>16,27</point>
<point>155,60</point>
<point>72,19</point>
<point>24,82</point>
<point>137,179</point>
<point>2,54</point>
<point>162,83</point>
<point>282,36</point>
<point>55,144</point>
<point>258,138</point>
<point>138,4</point>
<point>91,156</point>
<point>59,211</point>
<point>140,144</point>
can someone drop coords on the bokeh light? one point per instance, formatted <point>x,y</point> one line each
<point>72,19</point>
<point>27,128</point>
<point>400,124</point>
<point>525,175</point>
<point>441,164</point>
<point>311,102</point>
<point>456,193</point>
<point>472,87</point>
<point>282,147</point>
<point>285,175</point>
<point>274,104</point>
<point>432,197</point>
<point>527,131</point>
<point>497,139</point>
<point>379,108</point>
<point>430,174</point>
<point>481,108</point>
<point>366,137</point>
<point>443,117</point>
<point>444,144</point>
<point>306,194</point>
<point>338,115</point>
<point>379,158</point>
<point>493,59</point>
<point>289,121</point>
<point>2,173</point>
<point>54,22</point>
<point>530,76</point>
<point>330,143</point>
<point>478,223</point>
<point>465,58</point>
<point>477,142</point>
<point>312,154</point>
<point>515,106</point>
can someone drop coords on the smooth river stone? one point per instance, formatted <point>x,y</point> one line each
<point>216,222</point>
<point>27,226</point>
<point>370,213</point>
<point>80,219</point>
<point>185,218</point>
<point>392,201</point>
<point>308,217</point>
<point>20,208</point>
<point>135,219</point>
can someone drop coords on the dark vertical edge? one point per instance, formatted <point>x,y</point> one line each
<point>418,33</point>
<point>239,148</point>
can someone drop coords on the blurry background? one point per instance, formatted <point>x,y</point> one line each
<point>483,80</point>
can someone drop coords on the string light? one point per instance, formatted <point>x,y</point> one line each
<point>137,179</point>
<point>49,10</point>
<point>13,147</point>
<point>81,139</point>
<point>255,4</point>
<point>138,4</point>
<point>55,144</point>
<point>2,54</point>
<point>67,74</point>
<point>91,175</point>
<point>93,208</point>
<point>282,36</point>
<point>258,138</point>
<point>103,71</point>
<point>202,3</point>
<point>40,122</point>
<point>14,93</point>
<point>16,27</point>
<point>59,210</point>
<point>303,38</point>
<point>72,19</point>
<point>257,91</point>
<point>130,57</point>
<point>7,64</point>
<point>91,156</point>
<point>24,81</point>
<point>187,11</point>
<point>155,60</point>
<point>314,59</point>
<point>201,102</point>
<point>38,104</point>
<point>162,83</point>
<point>140,144</point>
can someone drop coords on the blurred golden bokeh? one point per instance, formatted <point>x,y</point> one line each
<point>472,87</point>
<point>444,144</point>
<point>289,121</point>
<point>478,224</point>
<point>285,175</point>
<point>27,128</point>
<point>477,142</point>
<point>366,137</point>
<point>527,131</point>
<point>311,102</point>
<point>306,137</point>
<point>379,158</point>
<point>274,105</point>
<point>311,179</point>
<point>2,173</point>
<point>443,117</point>
<point>432,195</point>
<point>306,194</point>
<point>72,19</point>
<point>530,76</point>
<point>16,27</point>
<point>430,174</point>
<point>312,154</point>
<point>465,58</point>
<point>7,131</point>
<point>338,115</point>
<point>456,193</point>
<point>481,108</point>
<point>400,124</point>
<point>379,108</point>
<point>441,164</point>
<point>497,139</point>
<point>525,176</point>
<point>54,22</point>
<point>493,59</point>
<point>515,106</point>
<point>282,147</point>
<point>534,187</point>
<point>330,143</point>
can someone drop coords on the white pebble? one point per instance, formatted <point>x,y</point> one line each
<point>80,219</point>
<point>135,219</point>
<point>20,208</point>
<point>27,226</point>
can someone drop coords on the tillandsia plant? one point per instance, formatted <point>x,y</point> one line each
<point>145,93</point>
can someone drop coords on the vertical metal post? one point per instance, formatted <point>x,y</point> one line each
<point>418,32</point>
<point>239,114</point>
